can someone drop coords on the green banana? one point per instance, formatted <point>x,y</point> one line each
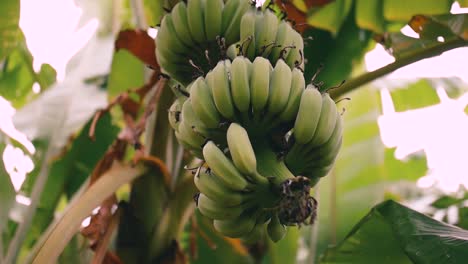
<point>241,149</point>
<point>260,83</point>
<point>196,21</point>
<point>308,115</point>
<point>174,114</point>
<point>266,27</point>
<point>215,210</point>
<point>247,34</point>
<point>326,124</point>
<point>240,87</point>
<point>280,88</point>
<point>208,183</point>
<point>297,88</point>
<point>232,15</point>
<point>196,151</point>
<point>237,227</point>
<point>223,167</point>
<point>181,25</point>
<point>221,90</point>
<point>281,41</point>
<point>295,56</point>
<point>203,104</point>
<point>213,19</point>
<point>276,230</point>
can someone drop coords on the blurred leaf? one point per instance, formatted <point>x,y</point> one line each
<point>369,15</point>
<point>416,95</point>
<point>463,3</point>
<point>127,73</point>
<point>7,194</point>
<point>403,10</point>
<point>330,17</point>
<point>446,201</point>
<point>446,26</point>
<point>339,55</point>
<point>411,169</point>
<point>17,77</point>
<point>10,33</point>
<point>154,11</point>
<point>392,233</point>
<point>463,217</point>
<point>69,171</point>
<point>46,76</point>
<point>139,44</point>
<point>285,250</point>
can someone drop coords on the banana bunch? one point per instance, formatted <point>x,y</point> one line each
<point>195,35</point>
<point>317,135</point>
<point>263,34</point>
<point>264,136</point>
<point>235,194</point>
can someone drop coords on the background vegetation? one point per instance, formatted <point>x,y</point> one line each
<point>125,160</point>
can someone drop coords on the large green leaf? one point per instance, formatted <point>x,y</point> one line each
<point>10,34</point>
<point>392,233</point>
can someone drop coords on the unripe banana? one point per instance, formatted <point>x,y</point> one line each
<point>223,167</point>
<point>209,184</point>
<point>196,20</point>
<point>221,90</point>
<point>327,121</point>
<point>296,56</point>
<point>196,151</point>
<point>247,34</point>
<point>266,27</point>
<point>232,15</point>
<point>213,18</point>
<point>203,104</point>
<point>166,38</point>
<point>240,87</point>
<point>238,227</point>
<point>281,41</point>
<point>276,230</point>
<point>181,25</point>
<point>241,149</point>
<point>255,235</point>
<point>297,88</point>
<point>215,210</point>
<point>280,87</point>
<point>188,134</point>
<point>308,115</point>
<point>260,83</point>
<point>316,152</point>
<point>174,114</point>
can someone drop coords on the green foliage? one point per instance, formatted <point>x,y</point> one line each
<point>127,73</point>
<point>10,34</point>
<point>7,194</point>
<point>392,233</point>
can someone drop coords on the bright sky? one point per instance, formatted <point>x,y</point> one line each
<point>52,36</point>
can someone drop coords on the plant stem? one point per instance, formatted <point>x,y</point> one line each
<point>416,56</point>
<point>37,191</point>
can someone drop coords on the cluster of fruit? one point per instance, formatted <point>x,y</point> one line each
<point>243,107</point>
